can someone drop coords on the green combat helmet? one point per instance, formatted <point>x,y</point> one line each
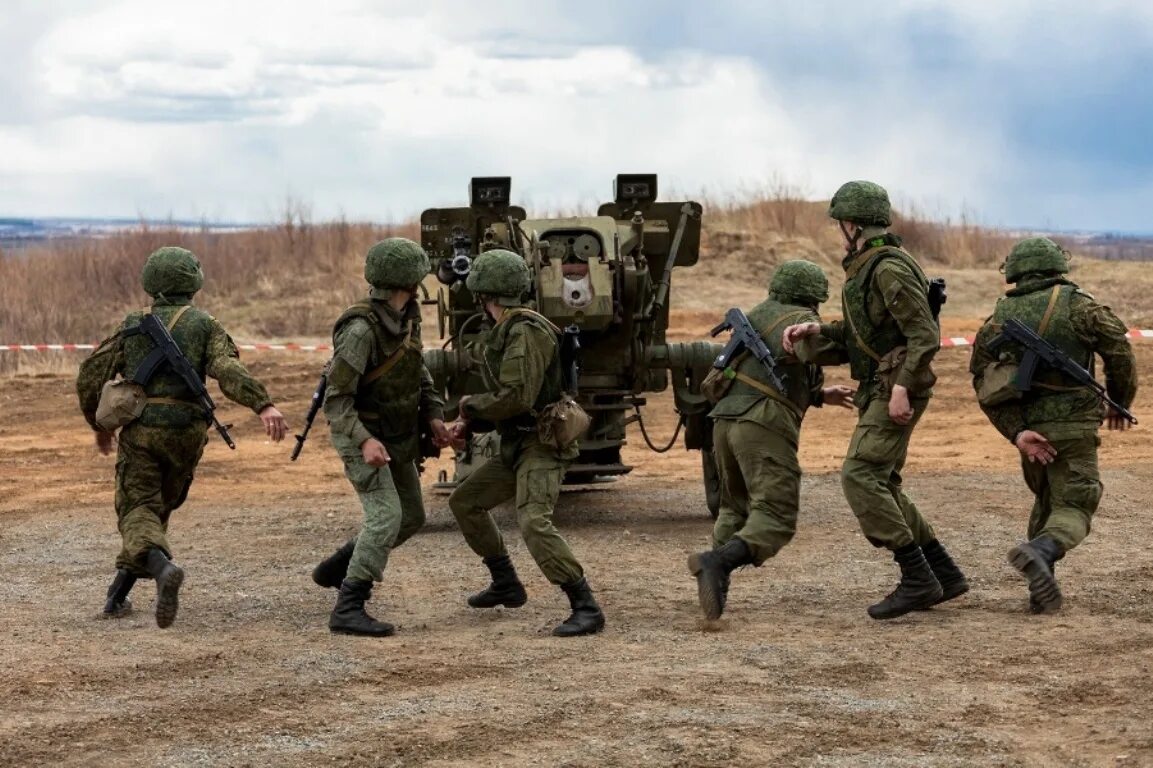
<point>499,273</point>
<point>395,263</point>
<point>861,202</point>
<point>172,271</point>
<point>801,281</point>
<point>1034,254</point>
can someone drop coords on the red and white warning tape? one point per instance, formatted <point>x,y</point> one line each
<point>946,341</point>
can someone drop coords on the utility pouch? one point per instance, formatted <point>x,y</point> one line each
<point>997,384</point>
<point>716,384</point>
<point>889,369</point>
<point>560,424</point>
<point>121,403</point>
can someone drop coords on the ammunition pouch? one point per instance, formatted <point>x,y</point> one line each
<point>717,384</point>
<point>560,424</point>
<point>997,384</point>
<point>889,369</point>
<point>121,403</point>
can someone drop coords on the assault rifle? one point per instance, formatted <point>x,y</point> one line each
<point>313,409</point>
<point>166,351</point>
<point>745,337</point>
<point>1037,351</point>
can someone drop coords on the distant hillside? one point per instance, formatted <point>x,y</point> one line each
<point>289,280</point>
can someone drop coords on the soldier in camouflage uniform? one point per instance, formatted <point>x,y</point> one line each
<point>755,435</point>
<point>521,368</point>
<point>379,395</point>
<point>1054,425</point>
<point>890,336</point>
<point>159,451</point>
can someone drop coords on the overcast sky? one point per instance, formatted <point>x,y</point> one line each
<point>1021,114</point>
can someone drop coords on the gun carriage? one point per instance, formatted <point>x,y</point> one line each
<point>610,276</point>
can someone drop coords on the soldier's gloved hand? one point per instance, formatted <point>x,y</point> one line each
<point>1035,447</point>
<point>1114,420</point>
<point>374,453</point>
<point>274,424</point>
<point>795,333</point>
<point>105,442</point>
<point>838,394</point>
<point>900,409</point>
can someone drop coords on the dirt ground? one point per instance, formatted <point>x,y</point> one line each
<point>797,674</point>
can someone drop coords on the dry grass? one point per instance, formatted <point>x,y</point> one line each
<point>288,281</point>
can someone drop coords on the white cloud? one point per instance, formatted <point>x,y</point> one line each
<point>379,109</point>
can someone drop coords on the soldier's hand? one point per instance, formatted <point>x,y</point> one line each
<point>795,333</point>
<point>274,424</point>
<point>838,395</point>
<point>1035,447</point>
<point>374,453</point>
<point>441,437</point>
<point>1114,420</point>
<point>105,442</point>
<point>900,409</point>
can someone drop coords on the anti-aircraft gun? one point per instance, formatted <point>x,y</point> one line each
<point>608,275</point>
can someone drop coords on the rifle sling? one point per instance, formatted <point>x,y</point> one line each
<point>765,389</point>
<point>1054,295</point>
<point>1048,316</point>
<point>391,361</point>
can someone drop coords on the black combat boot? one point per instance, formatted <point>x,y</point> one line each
<point>333,568</point>
<point>505,588</point>
<point>712,570</point>
<point>349,616</point>
<point>1035,560</point>
<point>169,576</point>
<point>586,617</point>
<point>918,587</point>
<point>118,603</point>
<point>953,582</point>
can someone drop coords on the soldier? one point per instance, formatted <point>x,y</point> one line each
<point>755,434</point>
<point>1054,425</point>
<point>890,336</point>
<point>158,452</point>
<point>522,371</point>
<point>379,393</point>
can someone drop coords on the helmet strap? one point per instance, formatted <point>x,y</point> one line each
<point>851,240</point>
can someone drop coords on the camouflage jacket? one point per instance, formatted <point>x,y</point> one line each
<point>801,374</point>
<point>203,341</point>
<point>885,296</point>
<point>521,368</point>
<point>363,399</point>
<point>1080,326</point>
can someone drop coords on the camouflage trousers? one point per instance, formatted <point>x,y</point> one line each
<point>534,482</point>
<point>393,508</point>
<point>1066,492</point>
<point>154,468</point>
<point>760,486</point>
<point>871,478</point>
